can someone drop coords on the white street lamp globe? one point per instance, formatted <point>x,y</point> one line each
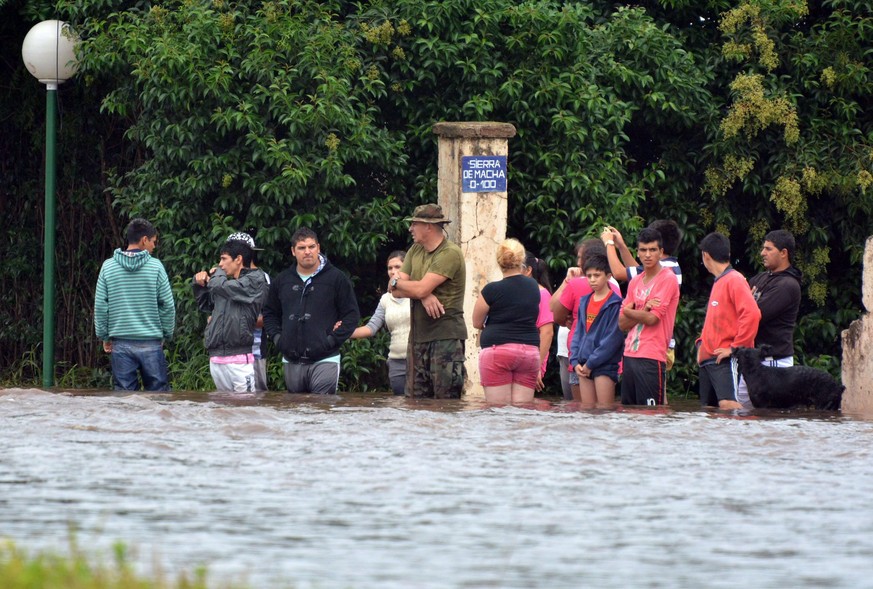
<point>48,52</point>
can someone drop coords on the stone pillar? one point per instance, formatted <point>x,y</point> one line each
<point>478,218</point>
<point>857,344</point>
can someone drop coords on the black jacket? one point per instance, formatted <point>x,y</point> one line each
<point>299,317</point>
<point>778,297</point>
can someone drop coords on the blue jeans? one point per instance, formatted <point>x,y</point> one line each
<point>133,358</point>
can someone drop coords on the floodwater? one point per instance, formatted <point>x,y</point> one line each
<point>375,491</point>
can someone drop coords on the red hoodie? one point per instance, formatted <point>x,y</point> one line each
<point>732,316</point>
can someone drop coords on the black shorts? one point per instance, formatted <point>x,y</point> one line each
<point>643,382</point>
<point>718,382</point>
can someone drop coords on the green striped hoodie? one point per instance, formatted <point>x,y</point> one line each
<point>133,299</point>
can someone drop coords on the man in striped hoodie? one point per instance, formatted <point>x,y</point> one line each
<point>134,312</point>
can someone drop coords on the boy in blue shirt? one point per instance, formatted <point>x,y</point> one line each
<point>596,349</point>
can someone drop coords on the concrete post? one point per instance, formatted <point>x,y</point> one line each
<point>857,369</point>
<point>478,218</point>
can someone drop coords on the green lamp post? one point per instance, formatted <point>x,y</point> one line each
<point>48,52</point>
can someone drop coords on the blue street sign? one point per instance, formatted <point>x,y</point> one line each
<point>483,173</point>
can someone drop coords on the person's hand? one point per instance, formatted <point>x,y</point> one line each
<point>574,272</point>
<point>433,306</point>
<point>607,234</point>
<point>652,303</point>
<point>107,347</point>
<point>337,325</point>
<point>579,370</point>
<point>201,278</point>
<point>540,386</point>
<point>616,235</point>
<point>721,354</point>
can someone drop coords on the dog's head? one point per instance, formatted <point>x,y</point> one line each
<point>749,356</point>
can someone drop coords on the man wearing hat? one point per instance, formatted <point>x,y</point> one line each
<point>434,276</point>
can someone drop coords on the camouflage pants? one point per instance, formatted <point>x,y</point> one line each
<point>436,369</point>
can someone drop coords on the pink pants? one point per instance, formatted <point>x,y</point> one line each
<point>509,364</point>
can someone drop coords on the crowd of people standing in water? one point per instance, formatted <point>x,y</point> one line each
<point>610,346</point>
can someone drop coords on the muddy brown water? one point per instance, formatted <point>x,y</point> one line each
<point>368,490</point>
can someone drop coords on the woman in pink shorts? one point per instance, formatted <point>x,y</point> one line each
<point>507,312</point>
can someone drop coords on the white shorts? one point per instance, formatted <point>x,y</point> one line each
<point>237,378</point>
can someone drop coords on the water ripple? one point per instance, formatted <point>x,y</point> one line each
<point>370,491</point>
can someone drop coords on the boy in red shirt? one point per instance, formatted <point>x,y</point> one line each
<point>732,318</point>
<point>648,313</point>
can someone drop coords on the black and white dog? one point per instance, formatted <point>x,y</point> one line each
<point>783,388</point>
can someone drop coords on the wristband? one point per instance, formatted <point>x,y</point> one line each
<point>609,242</point>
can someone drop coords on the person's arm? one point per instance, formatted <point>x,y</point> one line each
<point>561,313</point>
<point>272,312</point>
<point>101,312</point>
<point>616,266</point>
<point>422,290</point>
<point>246,289</point>
<point>417,289</point>
<point>575,345</point>
<point>373,325</point>
<point>748,315</point>
<point>545,324</point>
<point>630,317</point>
<point>627,257</point>
<point>547,333</point>
<point>166,304</point>
<point>201,292</point>
<point>347,310</point>
<point>661,298</point>
<point>480,312</point>
<point>362,332</point>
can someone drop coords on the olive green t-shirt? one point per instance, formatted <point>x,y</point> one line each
<point>446,260</point>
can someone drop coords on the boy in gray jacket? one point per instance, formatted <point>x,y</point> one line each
<point>234,294</point>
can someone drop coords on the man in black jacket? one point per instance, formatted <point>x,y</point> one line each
<point>305,304</point>
<point>777,292</point>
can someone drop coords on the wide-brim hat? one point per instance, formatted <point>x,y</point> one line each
<point>246,239</point>
<point>429,213</point>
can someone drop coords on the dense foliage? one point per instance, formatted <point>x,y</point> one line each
<point>213,116</point>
